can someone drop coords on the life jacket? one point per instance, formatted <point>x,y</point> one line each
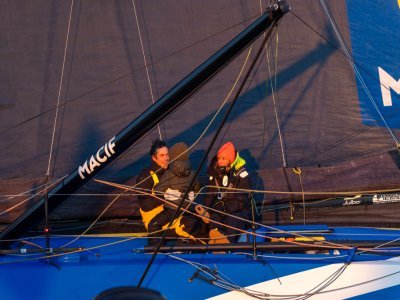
<point>155,180</point>
<point>147,216</point>
<point>237,168</point>
<point>238,165</point>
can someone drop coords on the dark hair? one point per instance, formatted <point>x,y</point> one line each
<point>157,144</point>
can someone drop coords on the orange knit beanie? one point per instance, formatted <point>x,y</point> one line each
<point>228,151</point>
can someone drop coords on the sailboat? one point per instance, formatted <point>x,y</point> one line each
<point>314,89</point>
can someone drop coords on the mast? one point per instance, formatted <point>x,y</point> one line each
<point>157,112</point>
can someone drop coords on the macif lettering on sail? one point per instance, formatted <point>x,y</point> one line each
<point>101,156</point>
<point>388,83</point>
<point>375,49</point>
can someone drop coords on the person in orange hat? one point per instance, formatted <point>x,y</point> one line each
<point>227,171</point>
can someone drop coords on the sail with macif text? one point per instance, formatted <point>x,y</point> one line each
<point>314,113</point>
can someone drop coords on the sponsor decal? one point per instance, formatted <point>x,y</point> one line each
<point>385,198</point>
<point>352,200</point>
<point>96,160</point>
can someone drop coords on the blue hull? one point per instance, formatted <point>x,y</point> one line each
<point>109,262</point>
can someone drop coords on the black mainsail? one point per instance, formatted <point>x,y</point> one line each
<point>146,121</point>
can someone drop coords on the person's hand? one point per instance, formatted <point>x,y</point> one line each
<point>191,196</point>
<point>172,195</point>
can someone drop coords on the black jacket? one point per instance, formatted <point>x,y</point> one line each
<point>146,202</point>
<point>221,197</point>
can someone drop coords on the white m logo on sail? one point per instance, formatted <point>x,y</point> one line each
<point>387,83</point>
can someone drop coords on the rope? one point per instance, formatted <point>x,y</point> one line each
<point>9,197</point>
<point>59,89</point>
<point>41,191</point>
<point>273,88</point>
<point>297,170</point>
<point>145,62</point>
<point>148,193</point>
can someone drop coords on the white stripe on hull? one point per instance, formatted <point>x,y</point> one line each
<point>357,279</point>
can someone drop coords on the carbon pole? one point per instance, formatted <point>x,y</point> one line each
<point>239,90</point>
<point>157,112</point>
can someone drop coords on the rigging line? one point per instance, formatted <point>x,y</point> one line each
<point>248,85</point>
<point>214,278</point>
<point>88,249</point>
<point>377,150</point>
<point>380,246</point>
<point>361,283</point>
<point>22,194</point>
<point>121,77</point>
<point>342,140</point>
<point>205,193</point>
<point>358,284</point>
<point>273,89</point>
<point>260,256</point>
<point>95,221</point>
<point>238,190</point>
<point>337,143</point>
<point>99,216</point>
<point>126,188</point>
<point>297,170</point>
<point>267,44</point>
<point>46,186</point>
<point>60,88</point>
<point>372,192</point>
<point>349,57</point>
<point>358,74</point>
<point>234,114</point>
<point>145,62</point>
<point>224,282</point>
<point>263,132</point>
<point>322,285</point>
